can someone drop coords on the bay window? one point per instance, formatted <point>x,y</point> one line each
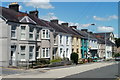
<point>37,52</point>
<point>67,40</point>
<point>22,52</point>
<point>13,31</point>
<point>37,34</point>
<point>31,29</point>
<point>23,31</point>
<point>60,39</point>
<point>45,52</point>
<point>45,34</point>
<point>31,52</point>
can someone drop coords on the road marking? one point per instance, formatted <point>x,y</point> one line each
<point>10,68</point>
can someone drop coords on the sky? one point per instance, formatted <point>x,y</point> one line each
<point>103,14</point>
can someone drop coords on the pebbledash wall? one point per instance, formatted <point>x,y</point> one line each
<point>4,42</point>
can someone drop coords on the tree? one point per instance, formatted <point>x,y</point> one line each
<point>74,58</point>
<point>117,41</point>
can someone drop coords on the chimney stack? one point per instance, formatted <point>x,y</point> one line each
<point>73,27</point>
<point>35,13</point>
<point>54,21</point>
<point>65,24</point>
<point>86,30</point>
<point>14,6</point>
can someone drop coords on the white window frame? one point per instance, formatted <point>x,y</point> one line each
<point>38,34</point>
<point>38,52</point>
<point>67,51</point>
<point>45,54</point>
<point>61,51</point>
<point>12,30</point>
<point>46,34</point>
<point>31,52</point>
<point>23,32</point>
<point>67,40</point>
<point>22,53</point>
<point>61,41</point>
<point>31,33</point>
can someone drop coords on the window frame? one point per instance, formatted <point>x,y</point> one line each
<point>31,52</point>
<point>31,32</point>
<point>13,30</point>
<point>23,52</point>
<point>44,52</point>
<point>45,34</point>
<point>23,32</point>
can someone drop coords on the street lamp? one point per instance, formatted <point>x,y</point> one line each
<point>88,35</point>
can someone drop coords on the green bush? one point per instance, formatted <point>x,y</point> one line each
<point>55,60</point>
<point>117,55</point>
<point>74,57</point>
<point>43,61</point>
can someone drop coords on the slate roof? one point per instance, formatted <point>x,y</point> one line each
<point>14,16</point>
<point>103,34</point>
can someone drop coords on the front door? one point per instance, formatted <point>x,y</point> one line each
<point>12,56</point>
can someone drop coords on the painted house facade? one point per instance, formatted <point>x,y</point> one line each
<point>25,37</point>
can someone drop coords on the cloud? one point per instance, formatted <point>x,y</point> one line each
<point>105,29</point>
<point>105,19</point>
<point>49,17</point>
<point>116,35</point>
<point>85,25</point>
<point>44,4</point>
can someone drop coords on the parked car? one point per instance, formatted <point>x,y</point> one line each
<point>117,58</point>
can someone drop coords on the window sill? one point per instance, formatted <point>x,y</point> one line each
<point>13,38</point>
<point>45,38</point>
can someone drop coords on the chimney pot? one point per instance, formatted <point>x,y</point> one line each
<point>65,24</point>
<point>86,30</point>
<point>35,13</point>
<point>54,21</point>
<point>14,6</point>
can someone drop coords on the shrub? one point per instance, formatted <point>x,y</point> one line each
<point>55,60</point>
<point>117,55</point>
<point>74,57</point>
<point>43,61</point>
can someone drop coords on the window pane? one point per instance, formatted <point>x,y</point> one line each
<point>37,36</point>
<point>37,50</point>
<point>22,48</point>
<point>23,27</point>
<point>13,27</point>
<point>22,35</point>
<point>31,29</point>
<point>60,50</point>
<point>12,33</point>
<point>43,52</point>
<point>22,52</point>
<point>31,36</point>
<point>43,34</point>
<point>31,48</point>
<point>47,34</point>
<point>47,52</point>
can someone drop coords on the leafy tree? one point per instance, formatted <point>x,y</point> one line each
<point>74,58</point>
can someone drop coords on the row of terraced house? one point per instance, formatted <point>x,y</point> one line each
<point>24,36</point>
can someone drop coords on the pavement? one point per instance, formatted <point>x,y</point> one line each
<point>62,72</point>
